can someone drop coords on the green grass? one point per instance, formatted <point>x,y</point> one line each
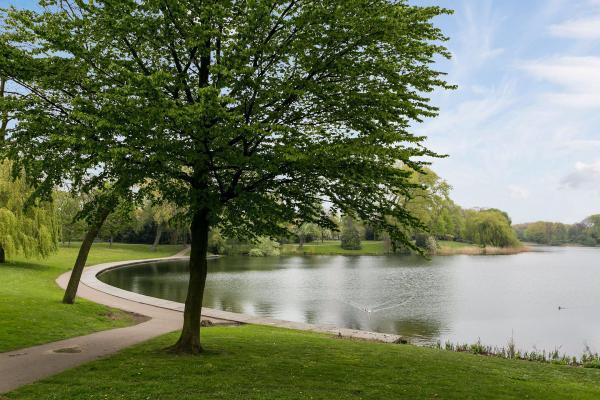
<point>252,362</point>
<point>334,247</point>
<point>454,245</point>
<point>31,311</point>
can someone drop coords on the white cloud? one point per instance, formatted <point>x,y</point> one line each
<point>584,176</point>
<point>518,192</point>
<point>578,76</point>
<point>582,28</point>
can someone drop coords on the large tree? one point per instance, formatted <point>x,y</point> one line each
<point>247,114</point>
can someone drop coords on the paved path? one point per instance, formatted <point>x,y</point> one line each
<point>21,367</point>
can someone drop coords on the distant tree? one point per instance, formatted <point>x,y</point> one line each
<point>306,231</point>
<point>246,114</point>
<point>429,200</point>
<point>162,214</point>
<point>592,224</point>
<point>350,235</point>
<point>120,219</point>
<point>555,233</point>
<point>216,242</point>
<point>490,228</point>
<point>68,210</point>
<point>25,228</point>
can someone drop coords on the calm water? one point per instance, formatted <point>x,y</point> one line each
<point>457,298</point>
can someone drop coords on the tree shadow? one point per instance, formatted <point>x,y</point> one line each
<point>26,265</point>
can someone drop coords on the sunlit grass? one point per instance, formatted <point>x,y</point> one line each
<point>31,311</point>
<point>253,362</point>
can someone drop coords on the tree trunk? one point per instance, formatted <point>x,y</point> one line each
<point>4,116</point>
<point>189,341</point>
<point>84,250</point>
<point>2,255</point>
<point>159,230</point>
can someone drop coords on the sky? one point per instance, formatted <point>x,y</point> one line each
<point>522,132</point>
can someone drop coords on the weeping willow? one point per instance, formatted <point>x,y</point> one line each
<point>34,231</point>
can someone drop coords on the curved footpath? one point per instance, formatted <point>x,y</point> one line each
<point>25,366</point>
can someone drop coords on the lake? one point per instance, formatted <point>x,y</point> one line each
<point>457,298</point>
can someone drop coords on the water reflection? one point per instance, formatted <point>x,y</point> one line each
<point>459,298</point>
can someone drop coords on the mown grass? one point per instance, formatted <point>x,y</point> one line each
<point>31,311</point>
<point>252,362</point>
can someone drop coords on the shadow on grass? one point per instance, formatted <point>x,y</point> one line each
<point>27,265</point>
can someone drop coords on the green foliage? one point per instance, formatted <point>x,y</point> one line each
<point>490,228</point>
<point>426,242</point>
<point>350,236</point>
<point>119,220</point>
<point>216,242</point>
<point>265,247</point>
<point>586,233</point>
<point>29,229</point>
<point>306,232</point>
<point>68,208</point>
<point>243,112</point>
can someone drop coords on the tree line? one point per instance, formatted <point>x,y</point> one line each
<point>585,233</point>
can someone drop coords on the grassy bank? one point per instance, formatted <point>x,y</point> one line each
<point>30,301</point>
<point>333,247</point>
<point>252,362</point>
<point>376,248</point>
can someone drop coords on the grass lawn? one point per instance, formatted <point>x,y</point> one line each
<point>31,311</point>
<point>454,245</point>
<point>333,247</point>
<point>252,362</point>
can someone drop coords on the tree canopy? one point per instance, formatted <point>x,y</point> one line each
<point>490,228</point>
<point>248,114</point>
<point>586,232</point>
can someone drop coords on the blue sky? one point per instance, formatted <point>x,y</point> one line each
<point>523,130</point>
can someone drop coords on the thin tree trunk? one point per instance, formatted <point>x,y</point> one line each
<point>4,117</point>
<point>159,230</point>
<point>84,250</point>
<point>189,341</point>
<point>2,255</point>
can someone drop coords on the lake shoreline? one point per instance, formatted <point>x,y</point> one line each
<point>483,251</point>
<point>374,248</point>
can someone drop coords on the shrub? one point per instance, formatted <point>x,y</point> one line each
<point>265,247</point>
<point>256,253</point>
<point>216,242</point>
<point>426,242</point>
